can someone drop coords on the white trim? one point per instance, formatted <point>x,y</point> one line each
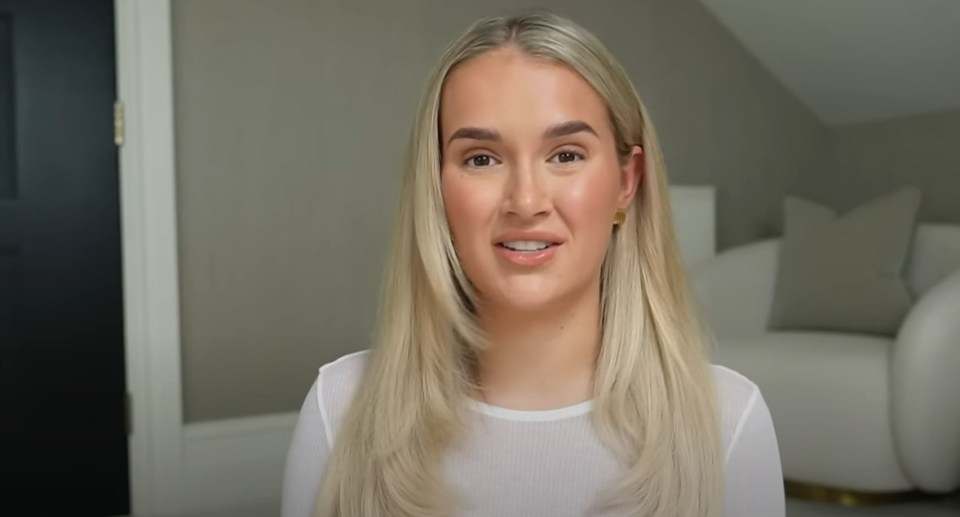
<point>174,469</point>
<point>148,215</point>
<point>237,463</point>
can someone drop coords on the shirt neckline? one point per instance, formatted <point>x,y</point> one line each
<point>521,415</point>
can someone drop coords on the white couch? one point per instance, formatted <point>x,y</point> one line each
<point>854,412</point>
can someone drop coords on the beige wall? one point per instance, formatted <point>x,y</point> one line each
<point>290,122</point>
<point>878,157</point>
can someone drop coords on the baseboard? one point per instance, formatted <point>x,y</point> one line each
<point>236,462</point>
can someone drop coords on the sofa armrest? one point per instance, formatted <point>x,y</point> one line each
<point>926,388</point>
<point>733,290</point>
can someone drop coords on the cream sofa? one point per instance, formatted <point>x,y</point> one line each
<point>854,412</point>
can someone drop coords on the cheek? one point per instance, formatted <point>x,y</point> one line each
<point>589,200</point>
<point>466,207</point>
<point>469,207</point>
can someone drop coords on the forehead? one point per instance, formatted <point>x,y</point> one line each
<point>506,89</point>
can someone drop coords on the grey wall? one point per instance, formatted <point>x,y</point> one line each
<point>290,122</point>
<point>877,157</point>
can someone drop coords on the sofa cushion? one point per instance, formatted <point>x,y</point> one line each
<point>845,273</point>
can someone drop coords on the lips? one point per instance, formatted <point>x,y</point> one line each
<point>527,249</point>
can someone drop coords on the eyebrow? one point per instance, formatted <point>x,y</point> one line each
<point>492,135</point>
<point>475,133</point>
<point>568,128</point>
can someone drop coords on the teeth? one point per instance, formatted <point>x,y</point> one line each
<point>526,245</point>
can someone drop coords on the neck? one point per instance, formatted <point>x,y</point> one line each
<point>541,359</point>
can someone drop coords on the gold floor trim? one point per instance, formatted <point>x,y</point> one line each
<point>845,497</point>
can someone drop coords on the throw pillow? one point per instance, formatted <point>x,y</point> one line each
<point>845,273</point>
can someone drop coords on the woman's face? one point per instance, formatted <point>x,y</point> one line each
<point>531,179</point>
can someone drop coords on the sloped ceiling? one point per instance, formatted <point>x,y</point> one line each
<point>854,60</point>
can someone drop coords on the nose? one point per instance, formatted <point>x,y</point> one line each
<point>526,193</point>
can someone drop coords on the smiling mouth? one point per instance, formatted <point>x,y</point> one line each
<point>527,246</point>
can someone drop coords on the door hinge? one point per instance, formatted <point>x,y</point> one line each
<point>128,413</point>
<point>118,129</point>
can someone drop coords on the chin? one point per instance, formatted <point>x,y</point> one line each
<point>526,304</point>
<point>527,299</point>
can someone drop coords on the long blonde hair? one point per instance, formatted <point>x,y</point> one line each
<point>654,404</point>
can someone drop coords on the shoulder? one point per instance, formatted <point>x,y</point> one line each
<point>337,383</point>
<point>737,398</point>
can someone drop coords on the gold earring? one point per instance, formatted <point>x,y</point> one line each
<point>620,217</point>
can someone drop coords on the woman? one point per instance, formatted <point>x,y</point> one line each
<point>536,353</point>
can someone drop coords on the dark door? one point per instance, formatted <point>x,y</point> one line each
<point>63,444</point>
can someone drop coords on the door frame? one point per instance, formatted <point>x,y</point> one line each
<point>149,243</point>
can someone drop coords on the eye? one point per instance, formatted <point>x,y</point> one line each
<point>567,156</point>
<point>480,161</point>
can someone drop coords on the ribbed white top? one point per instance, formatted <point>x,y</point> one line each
<point>538,463</point>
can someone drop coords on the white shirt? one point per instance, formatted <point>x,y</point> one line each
<point>539,463</point>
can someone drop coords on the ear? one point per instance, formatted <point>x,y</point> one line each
<point>631,176</point>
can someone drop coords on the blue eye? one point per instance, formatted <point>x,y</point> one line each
<point>568,156</point>
<point>480,161</point>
